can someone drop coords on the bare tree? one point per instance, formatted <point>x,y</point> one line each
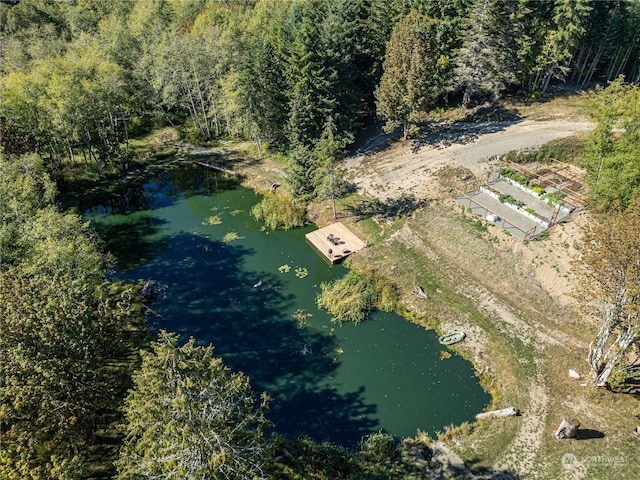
<point>611,262</point>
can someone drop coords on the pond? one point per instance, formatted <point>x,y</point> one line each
<point>225,280</point>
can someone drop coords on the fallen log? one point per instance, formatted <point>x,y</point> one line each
<point>214,167</point>
<point>503,412</point>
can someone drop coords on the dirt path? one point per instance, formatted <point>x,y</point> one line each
<point>397,170</point>
<point>520,457</point>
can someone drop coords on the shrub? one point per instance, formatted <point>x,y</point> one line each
<point>377,448</point>
<point>280,211</point>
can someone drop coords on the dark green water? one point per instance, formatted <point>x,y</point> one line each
<point>327,381</point>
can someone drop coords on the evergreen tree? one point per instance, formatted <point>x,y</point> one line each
<point>59,334</point>
<point>611,46</point>
<point>328,153</point>
<point>310,101</point>
<point>259,59</point>
<point>382,15</point>
<point>189,416</point>
<point>483,65</point>
<point>341,46</point>
<point>561,41</point>
<point>529,20</point>
<point>414,72</point>
<point>300,171</point>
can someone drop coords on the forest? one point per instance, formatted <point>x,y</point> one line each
<point>80,78</point>
<point>300,79</point>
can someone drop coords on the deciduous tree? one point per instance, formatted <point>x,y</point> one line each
<point>613,153</point>
<point>612,280</point>
<point>61,326</point>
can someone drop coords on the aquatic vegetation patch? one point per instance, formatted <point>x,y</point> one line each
<point>284,268</point>
<point>301,272</point>
<point>231,236</point>
<point>302,316</point>
<point>235,212</point>
<point>280,211</point>
<point>213,220</point>
<point>353,296</point>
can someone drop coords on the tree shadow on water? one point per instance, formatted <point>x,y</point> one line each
<point>126,238</point>
<point>324,414</point>
<point>208,296</point>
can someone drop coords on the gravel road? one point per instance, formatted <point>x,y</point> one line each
<point>406,167</point>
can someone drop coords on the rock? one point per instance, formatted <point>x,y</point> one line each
<point>568,428</point>
<point>419,291</point>
<point>575,375</point>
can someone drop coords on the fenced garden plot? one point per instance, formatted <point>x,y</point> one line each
<point>526,201</point>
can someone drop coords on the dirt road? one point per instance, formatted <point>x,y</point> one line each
<point>392,170</point>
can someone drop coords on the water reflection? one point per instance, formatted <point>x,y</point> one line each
<point>209,298</point>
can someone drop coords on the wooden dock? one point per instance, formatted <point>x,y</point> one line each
<point>334,242</point>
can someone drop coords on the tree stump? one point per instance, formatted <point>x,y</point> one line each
<point>568,428</point>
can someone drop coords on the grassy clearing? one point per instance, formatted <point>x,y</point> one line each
<point>448,254</point>
<point>568,149</point>
<point>557,107</point>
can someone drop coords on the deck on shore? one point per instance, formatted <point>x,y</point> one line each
<point>337,250</point>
